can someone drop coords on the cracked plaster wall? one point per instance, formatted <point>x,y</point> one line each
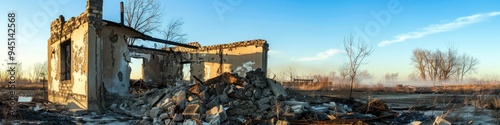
<point>83,90</point>
<point>237,57</point>
<point>72,91</point>
<point>116,58</point>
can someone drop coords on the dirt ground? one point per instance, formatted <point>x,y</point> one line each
<point>470,108</point>
<point>457,108</point>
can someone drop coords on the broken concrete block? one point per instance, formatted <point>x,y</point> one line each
<point>282,122</point>
<point>304,104</point>
<point>213,103</point>
<point>319,109</point>
<point>171,110</point>
<point>263,107</point>
<point>248,93</point>
<point>189,122</point>
<point>224,98</point>
<point>263,101</point>
<point>277,89</point>
<point>191,98</point>
<point>113,106</point>
<point>441,121</point>
<point>331,105</point>
<point>204,96</point>
<point>178,118</point>
<point>182,105</point>
<point>236,103</point>
<point>219,88</point>
<point>167,121</point>
<point>191,110</point>
<point>166,105</point>
<point>273,101</point>
<point>155,112</point>
<point>216,115</point>
<point>137,103</point>
<point>195,89</point>
<point>298,109</point>
<point>180,96</point>
<point>266,92</point>
<point>163,116</point>
<point>257,93</point>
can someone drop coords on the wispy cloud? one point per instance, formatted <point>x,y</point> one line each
<point>436,28</point>
<point>321,55</point>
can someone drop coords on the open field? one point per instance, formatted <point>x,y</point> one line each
<point>459,104</point>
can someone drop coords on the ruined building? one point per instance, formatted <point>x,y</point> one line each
<point>89,58</point>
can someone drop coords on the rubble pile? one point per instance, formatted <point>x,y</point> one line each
<point>227,98</point>
<point>252,99</point>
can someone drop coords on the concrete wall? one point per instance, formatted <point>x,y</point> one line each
<point>238,57</point>
<point>83,90</point>
<point>115,56</point>
<point>74,91</point>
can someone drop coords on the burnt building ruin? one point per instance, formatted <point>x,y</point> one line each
<point>89,58</point>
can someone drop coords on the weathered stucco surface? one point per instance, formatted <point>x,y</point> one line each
<point>71,91</point>
<point>209,61</point>
<point>81,89</point>
<point>116,70</point>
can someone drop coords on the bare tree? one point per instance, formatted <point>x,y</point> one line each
<point>291,72</point>
<point>37,71</point>
<point>419,59</point>
<point>466,65</point>
<point>391,77</point>
<point>447,64</point>
<point>441,66</point>
<point>343,74</point>
<point>143,15</point>
<point>356,52</point>
<point>365,75</point>
<point>173,31</point>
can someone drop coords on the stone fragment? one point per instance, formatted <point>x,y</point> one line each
<point>257,93</point>
<point>304,104</point>
<point>224,98</point>
<point>191,98</point>
<point>137,103</point>
<point>219,88</point>
<point>154,112</point>
<point>113,106</point>
<point>216,115</point>
<point>191,110</point>
<point>248,93</point>
<point>213,103</point>
<point>266,92</point>
<point>189,122</point>
<point>167,121</point>
<point>277,89</point>
<point>282,122</point>
<point>178,118</point>
<point>263,101</point>
<point>236,103</point>
<point>204,96</point>
<point>163,116</point>
<point>263,107</point>
<point>181,96</point>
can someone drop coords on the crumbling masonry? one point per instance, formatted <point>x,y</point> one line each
<point>89,58</point>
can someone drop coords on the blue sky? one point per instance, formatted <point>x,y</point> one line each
<point>307,35</point>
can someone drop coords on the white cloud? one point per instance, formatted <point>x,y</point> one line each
<point>436,28</point>
<point>321,55</point>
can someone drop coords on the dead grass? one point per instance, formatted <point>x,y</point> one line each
<point>26,86</point>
